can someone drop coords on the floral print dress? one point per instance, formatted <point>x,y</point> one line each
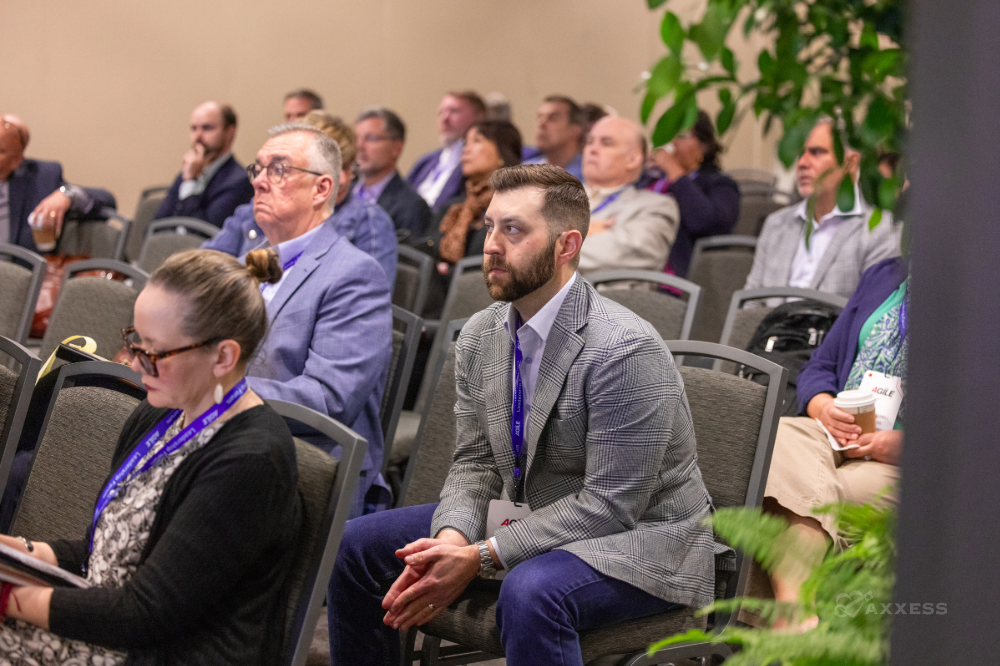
<point>120,537</point>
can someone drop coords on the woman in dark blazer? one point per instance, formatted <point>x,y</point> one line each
<point>708,200</point>
<point>193,531</point>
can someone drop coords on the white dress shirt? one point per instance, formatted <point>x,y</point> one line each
<point>449,160</point>
<point>807,260</point>
<point>532,336</point>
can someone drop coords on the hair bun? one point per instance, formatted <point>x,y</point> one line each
<point>263,265</point>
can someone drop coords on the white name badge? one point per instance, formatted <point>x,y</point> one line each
<point>888,392</point>
<point>503,514</point>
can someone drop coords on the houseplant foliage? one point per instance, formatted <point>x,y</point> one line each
<point>842,58</point>
<point>850,591</point>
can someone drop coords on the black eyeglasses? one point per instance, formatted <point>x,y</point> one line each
<point>275,171</point>
<point>148,359</point>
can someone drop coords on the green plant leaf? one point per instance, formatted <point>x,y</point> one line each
<point>670,122</point>
<point>874,219</point>
<point>664,76</point>
<point>882,63</point>
<point>653,4</point>
<point>838,143</point>
<point>725,117</point>
<point>725,96</point>
<point>710,34</point>
<point>869,38</point>
<point>880,121</point>
<point>672,33</point>
<point>729,61</point>
<point>845,193</point>
<point>887,192</point>
<point>765,63</point>
<point>648,102</point>
<point>690,114</point>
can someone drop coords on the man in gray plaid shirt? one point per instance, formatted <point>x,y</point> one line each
<point>574,470</point>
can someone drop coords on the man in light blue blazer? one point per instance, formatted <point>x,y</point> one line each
<point>330,339</point>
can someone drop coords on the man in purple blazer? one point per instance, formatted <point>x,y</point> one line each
<point>330,337</point>
<point>211,183</point>
<point>437,176</point>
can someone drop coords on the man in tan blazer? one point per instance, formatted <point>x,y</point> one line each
<point>629,228</point>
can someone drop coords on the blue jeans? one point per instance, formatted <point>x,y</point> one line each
<point>543,604</point>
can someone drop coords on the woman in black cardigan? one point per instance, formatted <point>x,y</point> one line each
<point>709,201</point>
<point>194,529</point>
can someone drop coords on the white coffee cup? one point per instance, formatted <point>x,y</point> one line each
<point>861,405</point>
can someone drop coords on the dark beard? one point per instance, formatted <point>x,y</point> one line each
<point>520,282</point>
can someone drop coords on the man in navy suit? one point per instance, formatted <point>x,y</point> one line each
<point>437,176</point>
<point>37,187</point>
<point>330,339</point>
<point>211,183</point>
<point>380,135</point>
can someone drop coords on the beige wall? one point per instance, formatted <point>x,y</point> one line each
<point>107,86</point>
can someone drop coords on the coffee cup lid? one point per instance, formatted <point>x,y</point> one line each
<point>854,398</point>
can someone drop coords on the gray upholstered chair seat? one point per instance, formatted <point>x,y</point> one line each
<point>91,306</point>
<point>471,622</point>
<point>664,312</point>
<point>16,281</point>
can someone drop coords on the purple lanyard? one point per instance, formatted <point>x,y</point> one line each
<point>902,318</point>
<point>288,264</point>
<point>517,419</point>
<point>604,204</point>
<point>125,472</point>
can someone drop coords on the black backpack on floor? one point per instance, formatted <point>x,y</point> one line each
<point>788,336</point>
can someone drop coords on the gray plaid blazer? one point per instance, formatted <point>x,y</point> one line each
<point>612,471</point>
<point>853,250</point>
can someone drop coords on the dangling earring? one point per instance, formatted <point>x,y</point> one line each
<point>218,393</point>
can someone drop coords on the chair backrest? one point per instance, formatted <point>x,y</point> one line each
<point>326,488</point>
<point>754,209</point>
<point>467,293</point>
<point>99,239</point>
<point>18,372</point>
<point>720,266</point>
<point>145,211</point>
<point>735,422</point>
<point>94,306</point>
<point>741,322</point>
<point>753,179</point>
<point>413,279</point>
<point>74,422</point>
<point>434,445</point>
<point>406,328</point>
<point>670,314</point>
<point>21,286</point>
<point>170,236</point>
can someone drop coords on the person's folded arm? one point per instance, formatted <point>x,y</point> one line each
<point>707,214</point>
<point>473,479</point>
<point>349,348</point>
<point>216,535</point>
<point>637,417</point>
<point>644,239</point>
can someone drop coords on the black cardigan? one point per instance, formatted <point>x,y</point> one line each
<point>209,586</point>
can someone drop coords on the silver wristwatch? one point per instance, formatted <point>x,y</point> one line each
<point>486,568</point>
<point>68,191</point>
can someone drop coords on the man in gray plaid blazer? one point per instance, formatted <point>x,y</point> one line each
<point>841,246</point>
<point>569,406</point>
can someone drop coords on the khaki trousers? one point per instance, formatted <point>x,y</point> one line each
<point>806,473</point>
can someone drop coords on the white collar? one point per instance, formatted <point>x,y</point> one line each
<point>802,210</point>
<point>543,320</point>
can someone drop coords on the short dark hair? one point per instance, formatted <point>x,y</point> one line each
<point>565,206</point>
<point>470,97</point>
<point>315,101</point>
<point>704,132</point>
<point>576,116</point>
<point>228,116</point>
<point>504,136</point>
<point>394,127</point>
